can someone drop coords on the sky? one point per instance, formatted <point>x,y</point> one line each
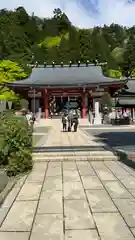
<point>82,13</point>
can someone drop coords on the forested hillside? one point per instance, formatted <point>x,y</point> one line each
<point>27,39</point>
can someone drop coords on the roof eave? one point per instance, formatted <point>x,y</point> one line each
<point>94,84</point>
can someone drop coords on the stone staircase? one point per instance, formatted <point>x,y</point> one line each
<point>78,146</point>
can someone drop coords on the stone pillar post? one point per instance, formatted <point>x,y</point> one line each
<point>97,113</point>
<point>46,104</point>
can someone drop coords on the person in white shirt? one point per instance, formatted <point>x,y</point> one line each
<point>125,114</point>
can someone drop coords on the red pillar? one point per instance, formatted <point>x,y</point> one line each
<point>46,104</point>
<point>84,105</point>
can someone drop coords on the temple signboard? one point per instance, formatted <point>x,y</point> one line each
<point>99,92</point>
<point>34,94</point>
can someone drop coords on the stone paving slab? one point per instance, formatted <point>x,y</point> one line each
<point>117,190</point>
<point>116,169</point>
<point>73,190</point>
<point>91,182</point>
<point>52,184</point>
<point>85,169</point>
<point>50,202</point>
<point>81,234</point>
<point>127,210</point>
<point>128,182</point>
<point>112,226</point>
<point>11,197</point>
<point>29,191</point>
<point>77,215</point>
<point>14,235</point>
<point>133,231</point>
<point>100,201</point>
<point>36,176</point>
<point>69,175</point>
<point>69,166</point>
<point>105,175</point>
<point>20,217</point>
<point>48,227</point>
<point>54,171</point>
<point>132,191</point>
<point>3,213</point>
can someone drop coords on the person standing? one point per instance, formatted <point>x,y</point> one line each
<point>74,120</point>
<point>90,116</point>
<point>64,122</point>
<point>93,117</point>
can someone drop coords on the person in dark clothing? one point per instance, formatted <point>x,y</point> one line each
<point>74,123</point>
<point>64,122</point>
<point>74,120</point>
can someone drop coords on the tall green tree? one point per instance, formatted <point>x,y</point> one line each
<point>128,63</point>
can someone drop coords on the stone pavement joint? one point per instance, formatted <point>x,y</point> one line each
<point>76,199</point>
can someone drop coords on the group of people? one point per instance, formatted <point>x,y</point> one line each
<point>70,121</point>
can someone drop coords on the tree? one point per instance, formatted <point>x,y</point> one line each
<point>117,54</point>
<point>57,13</point>
<point>85,42</point>
<point>62,21</point>
<point>128,63</point>
<point>21,16</point>
<point>14,42</point>
<point>106,100</point>
<point>22,36</point>
<point>9,72</point>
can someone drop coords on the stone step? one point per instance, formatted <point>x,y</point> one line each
<point>72,153</point>
<point>59,158</point>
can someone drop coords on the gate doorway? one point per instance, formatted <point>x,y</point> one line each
<point>57,105</point>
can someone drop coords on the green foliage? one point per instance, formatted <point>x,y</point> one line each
<point>24,104</point>
<point>56,39</point>
<point>50,42</point>
<point>133,72</point>
<point>106,100</point>
<point>9,72</point>
<point>128,63</point>
<point>114,73</point>
<point>15,149</point>
<point>117,54</point>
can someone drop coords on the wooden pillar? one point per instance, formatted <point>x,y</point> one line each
<point>84,104</point>
<point>46,104</point>
<point>131,113</point>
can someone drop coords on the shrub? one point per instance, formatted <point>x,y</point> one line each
<point>16,146</point>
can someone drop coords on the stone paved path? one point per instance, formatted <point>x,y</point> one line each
<point>91,200</point>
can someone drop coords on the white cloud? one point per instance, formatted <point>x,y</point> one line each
<point>82,13</point>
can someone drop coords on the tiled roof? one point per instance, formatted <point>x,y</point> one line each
<point>65,76</point>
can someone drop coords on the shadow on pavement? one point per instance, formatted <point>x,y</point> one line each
<point>117,139</point>
<point>68,149</point>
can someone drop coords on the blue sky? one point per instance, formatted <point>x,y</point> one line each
<point>82,13</point>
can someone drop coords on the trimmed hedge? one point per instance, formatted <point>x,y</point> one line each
<point>15,144</point>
